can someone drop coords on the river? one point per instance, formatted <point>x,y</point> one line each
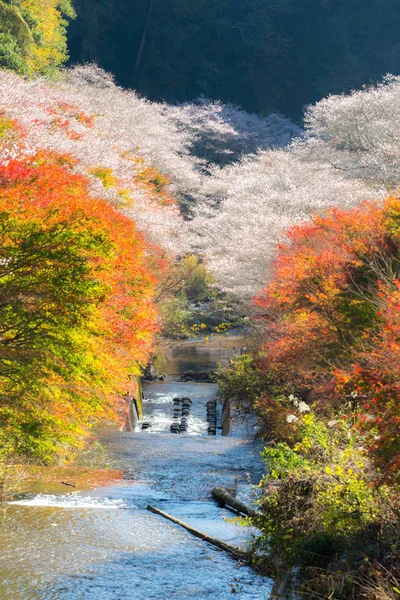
<point>98,542</point>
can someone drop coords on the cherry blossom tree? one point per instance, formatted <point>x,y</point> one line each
<point>107,130</point>
<point>248,206</point>
<point>224,133</point>
<point>115,135</point>
<point>358,134</point>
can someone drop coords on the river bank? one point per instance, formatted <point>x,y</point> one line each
<point>102,543</point>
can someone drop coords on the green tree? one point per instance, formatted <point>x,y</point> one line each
<point>15,39</point>
<point>11,57</point>
<point>33,34</point>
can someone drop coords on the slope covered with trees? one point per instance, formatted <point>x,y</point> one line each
<point>206,178</point>
<point>263,55</point>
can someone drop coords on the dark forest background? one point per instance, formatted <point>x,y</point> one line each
<point>265,55</point>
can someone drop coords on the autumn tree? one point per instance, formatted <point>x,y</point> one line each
<point>77,316</point>
<point>331,324</point>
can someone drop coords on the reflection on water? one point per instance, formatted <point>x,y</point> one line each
<point>102,543</point>
<point>202,354</point>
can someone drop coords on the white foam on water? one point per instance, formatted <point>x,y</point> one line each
<point>196,425</point>
<point>74,500</point>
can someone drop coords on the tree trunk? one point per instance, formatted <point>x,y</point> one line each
<point>225,498</point>
<point>236,553</point>
<point>144,35</point>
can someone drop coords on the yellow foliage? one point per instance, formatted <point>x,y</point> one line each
<point>105,175</point>
<point>46,21</point>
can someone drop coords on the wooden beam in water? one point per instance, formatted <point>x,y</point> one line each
<point>236,553</point>
<point>225,498</point>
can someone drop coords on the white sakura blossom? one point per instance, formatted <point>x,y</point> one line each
<point>248,207</point>
<point>359,134</point>
<point>223,133</point>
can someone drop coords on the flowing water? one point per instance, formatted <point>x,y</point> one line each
<point>101,543</point>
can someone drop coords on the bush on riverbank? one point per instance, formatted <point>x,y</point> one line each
<point>329,525</point>
<point>323,519</point>
<point>325,384</point>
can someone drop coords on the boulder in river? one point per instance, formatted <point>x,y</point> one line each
<point>151,373</point>
<point>200,376</point>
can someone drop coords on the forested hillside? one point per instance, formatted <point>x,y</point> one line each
<point>265,55</point>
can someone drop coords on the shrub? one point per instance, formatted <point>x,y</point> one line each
<point>242,381</point>
<point>321,516</point>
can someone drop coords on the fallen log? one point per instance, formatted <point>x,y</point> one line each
<point>225,498</point>
<point>236,553</point>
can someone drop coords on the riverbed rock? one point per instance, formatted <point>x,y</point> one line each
<point>199,376</point>
<point>151,373</point>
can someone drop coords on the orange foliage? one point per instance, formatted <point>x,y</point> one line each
<point>56,194</point>
<point>154,182</point>
<point>331,314</point>
<point>85,286</point>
